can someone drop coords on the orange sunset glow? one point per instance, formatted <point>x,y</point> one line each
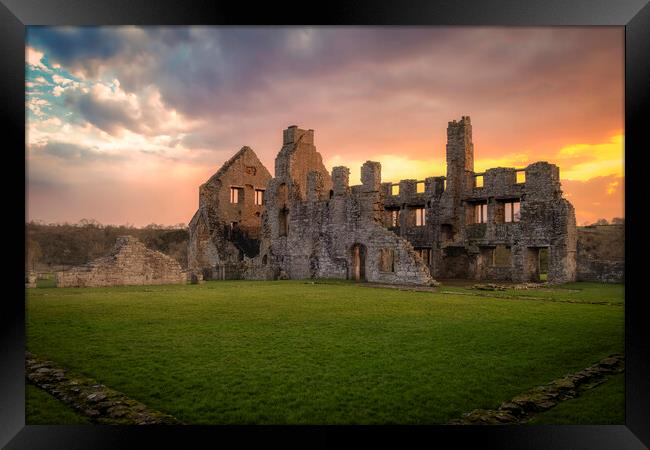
<point>125,123</point>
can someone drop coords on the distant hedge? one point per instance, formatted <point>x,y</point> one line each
<point>74,244</point>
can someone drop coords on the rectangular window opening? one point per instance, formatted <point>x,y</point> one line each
<point>512,211</point>
<point>419,187</point>
<point>236,194</point>
<point>387,260</point>
<point>447,232</point>
<point>259,196</point>
<point>420,217</point>
<point>502,256</point>
<point>478,181</point>
<point>480,213</point>
<point>394,189</point>
<point>394,218</point>
<point>521,176</point>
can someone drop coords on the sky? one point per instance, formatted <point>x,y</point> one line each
<point>125,123</point>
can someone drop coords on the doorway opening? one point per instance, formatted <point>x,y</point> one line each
<point>543,264</point>
<point>358,252</point>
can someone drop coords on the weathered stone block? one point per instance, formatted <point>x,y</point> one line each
<point>128,263</point>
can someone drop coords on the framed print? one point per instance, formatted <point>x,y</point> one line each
<point>370,224</point>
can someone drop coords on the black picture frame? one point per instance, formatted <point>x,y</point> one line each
<point>634,15</point>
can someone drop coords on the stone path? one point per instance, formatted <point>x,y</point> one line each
<point>101,404</point>
<point>524,406</point>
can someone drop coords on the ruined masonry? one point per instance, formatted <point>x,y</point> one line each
<point>226,228</point>
<point>128,263</point>
<point>507,224</point>
<point>601,253</point>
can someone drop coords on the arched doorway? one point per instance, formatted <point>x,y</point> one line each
<point>358,254</point>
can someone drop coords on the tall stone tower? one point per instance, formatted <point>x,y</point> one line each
<point>460,169</point>
<point>460,155</point>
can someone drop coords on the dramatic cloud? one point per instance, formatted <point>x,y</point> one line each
<point>79,48</point>
<point>34,58</point>
<point>596,198</point>
<point>192,96</point>
<point>73,153</point>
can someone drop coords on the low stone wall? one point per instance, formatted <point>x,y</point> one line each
<point>129,263</point>
<point>30,280</point>
<point>86,396</point>
<point>601,271</point>
<point>524,406</point>
<point>601,253</point>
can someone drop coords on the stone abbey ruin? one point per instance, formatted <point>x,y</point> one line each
<point>304,223</point>
<point>226,226</point>
<point>128,263</point>
<point>504,224</point>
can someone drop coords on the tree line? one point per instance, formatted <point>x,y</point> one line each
<point>50,245</point>
<point>614,221</point>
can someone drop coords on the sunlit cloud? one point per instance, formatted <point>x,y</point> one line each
<point>585,161</point>
<point>596,198</point>
<point>34,58</point>
<point>612,187</point>
<point>152,112</point>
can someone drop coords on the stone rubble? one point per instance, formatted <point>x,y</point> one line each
<point>524,406</point>
<point>101,404</point>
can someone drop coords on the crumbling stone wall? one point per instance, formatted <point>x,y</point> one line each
<point>128,263</point>
<point>601,253</point>
<point>317,226</point>
<point>461,248</point>
<point>224,233</point>
<point>30,279</point>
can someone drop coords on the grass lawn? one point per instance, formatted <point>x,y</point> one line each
<point>46,283</point>
<point>43,409</point>
<point>229,352</point>
<point>572,292</point>
<point>603,405</point>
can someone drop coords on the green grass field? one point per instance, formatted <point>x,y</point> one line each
<point>581,292</point>
<point>47,283</point>
<point>43,409</point>
<point>242,352</point>
<point>603,405</point>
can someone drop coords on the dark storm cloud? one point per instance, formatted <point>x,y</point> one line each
<point>109,116</point>
<point>71,46</point>
<point>370,92</point>
<point>229,63</point>
<point>215,73</point>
